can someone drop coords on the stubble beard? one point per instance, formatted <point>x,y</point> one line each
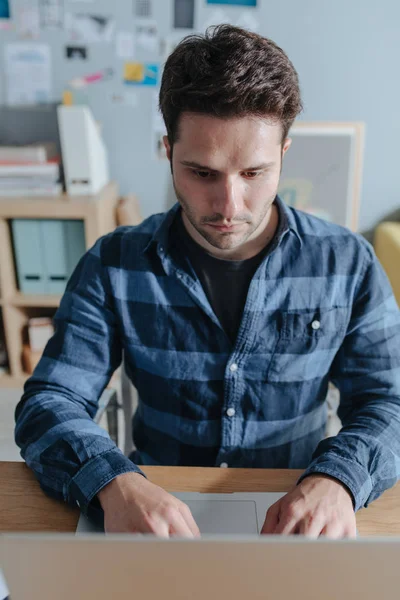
<point>223,240</point>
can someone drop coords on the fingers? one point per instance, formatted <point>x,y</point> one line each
<point>272,518</point>
<point>286,526</point>
<point>179,528</point>
<point>157,526</point>
<point>171,522</point>
<point>189,520</point>
<point>311,527</point>
<point>334,531</point>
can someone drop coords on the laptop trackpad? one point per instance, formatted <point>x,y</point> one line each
<point>219,516</point>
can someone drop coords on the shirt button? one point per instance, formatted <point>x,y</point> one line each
<point>223,465</point>
<point>179,275</point>
<point>315,325</point>
<point>233,368</point>
<point>230,412</point>
<point>161,248</point>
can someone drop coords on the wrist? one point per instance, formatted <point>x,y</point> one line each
<point>335,480</point>
<point>115,488</point>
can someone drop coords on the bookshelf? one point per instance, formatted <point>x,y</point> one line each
<point>98,214</point>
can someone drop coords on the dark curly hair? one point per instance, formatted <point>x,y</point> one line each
<point>229,72</point>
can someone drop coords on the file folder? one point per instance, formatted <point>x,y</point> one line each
<point>28,255</point>
<point>46,253</point>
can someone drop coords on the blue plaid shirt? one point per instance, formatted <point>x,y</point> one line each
<point>319,309</point>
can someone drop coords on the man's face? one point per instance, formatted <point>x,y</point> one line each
<point>226,175</point>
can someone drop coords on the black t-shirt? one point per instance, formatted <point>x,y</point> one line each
<point>225,282</point>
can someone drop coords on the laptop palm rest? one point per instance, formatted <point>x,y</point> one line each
<point>234,513</point>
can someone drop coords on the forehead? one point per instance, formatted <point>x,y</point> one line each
<point>246,135</point>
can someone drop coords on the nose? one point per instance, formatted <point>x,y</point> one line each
<point>227,199</point>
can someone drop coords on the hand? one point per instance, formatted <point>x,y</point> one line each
<point>319,505</point>
<point>132,504</point>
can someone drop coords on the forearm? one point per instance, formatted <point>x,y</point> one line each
<point>365,455</point>
<point>71,456</point>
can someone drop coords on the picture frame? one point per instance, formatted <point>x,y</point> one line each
<point>322,170</point>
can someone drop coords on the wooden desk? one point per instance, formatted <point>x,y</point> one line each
<point>25,507</point>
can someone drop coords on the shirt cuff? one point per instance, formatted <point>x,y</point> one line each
<point>350,473</point>
<point>96,474</point>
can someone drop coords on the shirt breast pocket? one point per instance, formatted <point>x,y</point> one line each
<point>307,344</point>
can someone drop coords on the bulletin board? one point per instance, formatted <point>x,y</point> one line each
<point>111,54</point>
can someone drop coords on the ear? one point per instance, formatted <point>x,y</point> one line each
<point>167,147</point>
<point>286,146</point>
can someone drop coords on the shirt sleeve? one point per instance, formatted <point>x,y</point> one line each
<point>71,456</point>
<point>365,455</point>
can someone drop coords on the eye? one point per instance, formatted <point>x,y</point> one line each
<point>252,174</point>
<point>203,174</point>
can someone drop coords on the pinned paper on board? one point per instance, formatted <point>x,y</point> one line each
<point>28,22</point>
<point>125,98</point>
<point>4,9</point>
<point>95,77</point>
<point>137,73</point>
<point>76,52</point>
<point>88,28</point>
<point>51,13</point>
<point>234,2</point>
<point>28,73</point>
<point>147,35</point>
<point>143,8</point>
<point>125,44</point>
<point>184,14</point>
<point>5,15</point>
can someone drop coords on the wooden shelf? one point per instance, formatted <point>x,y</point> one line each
<point>98,214</point>
<point>8,381</point>
<point>36,301</point>
<point>54,207</point>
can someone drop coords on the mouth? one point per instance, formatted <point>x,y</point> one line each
<point>224,227</point>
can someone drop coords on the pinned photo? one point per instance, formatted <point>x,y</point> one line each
<point>89,28</point>
<point>143,8</point>
<point>5,17</point>
<point>184,14</point>
<point>136,73</point>
<point>234,2</point>
<point>76,52</point>
<point>147,35</point>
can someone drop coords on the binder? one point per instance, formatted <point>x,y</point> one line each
<point>46,253</point>
<point>28,255</point>
<point>54,256</point>
<point>63,246</point>
<point>74,235</point>
<point>84,153</point>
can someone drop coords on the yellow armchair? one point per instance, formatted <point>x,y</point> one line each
<point>387,249</point>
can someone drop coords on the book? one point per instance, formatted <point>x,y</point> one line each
<point>29,153</point>
<point>49,168</point>
<point>52,190</point>
<point>25,182</point>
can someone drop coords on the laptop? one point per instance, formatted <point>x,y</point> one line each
<point>225,514</point>
<point>100,567</point>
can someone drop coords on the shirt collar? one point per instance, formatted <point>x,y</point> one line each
<point>160,236</point>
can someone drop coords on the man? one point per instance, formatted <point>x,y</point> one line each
<point>233,312</point>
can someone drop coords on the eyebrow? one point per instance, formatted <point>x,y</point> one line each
<point>189,163</point>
